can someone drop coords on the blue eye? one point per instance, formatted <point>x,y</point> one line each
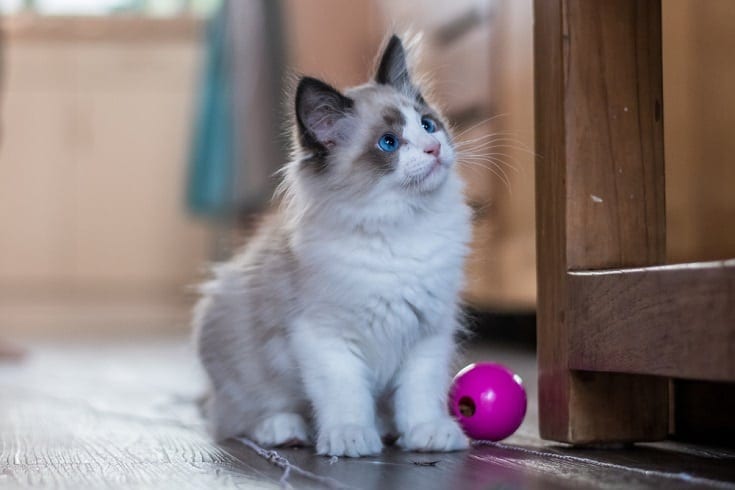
<point>388,142</point>
<point>428,124</point>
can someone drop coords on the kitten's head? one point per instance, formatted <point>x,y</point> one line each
<point>377,140</point>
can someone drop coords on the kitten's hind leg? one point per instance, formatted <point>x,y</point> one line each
<point>282,429</point>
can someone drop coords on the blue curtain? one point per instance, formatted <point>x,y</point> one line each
<point>211,157</point>
<point>237,145</point>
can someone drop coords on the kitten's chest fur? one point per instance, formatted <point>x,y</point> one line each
<point>390,286</point>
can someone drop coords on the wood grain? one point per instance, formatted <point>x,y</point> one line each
<point>599,198</point>
<point>675,321</point>
<point>102,415</point>
<point>554,380</point>
<point>614,134</point>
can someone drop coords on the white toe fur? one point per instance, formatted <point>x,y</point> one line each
<point>281,428</point>
<point>434,436</point>
<point>349,440</point>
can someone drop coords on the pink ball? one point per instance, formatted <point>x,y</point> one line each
<point>488,400</point>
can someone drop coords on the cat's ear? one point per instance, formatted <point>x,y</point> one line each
<point>322,114</point>
<point>393,68</point>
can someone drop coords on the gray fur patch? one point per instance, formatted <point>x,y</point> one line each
<point>393,118</point>
<point>391,121</point>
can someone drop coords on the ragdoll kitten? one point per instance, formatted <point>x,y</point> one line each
<point>336,324</point>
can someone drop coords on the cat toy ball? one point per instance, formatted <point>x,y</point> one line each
<point>488,401</point>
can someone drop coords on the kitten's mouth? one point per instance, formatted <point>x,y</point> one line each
<point>434,168</point>
<point>420,179</point>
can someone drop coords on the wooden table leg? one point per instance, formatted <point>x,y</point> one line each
<point>599,198</point>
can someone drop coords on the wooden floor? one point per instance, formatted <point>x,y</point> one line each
<point>119,413</point>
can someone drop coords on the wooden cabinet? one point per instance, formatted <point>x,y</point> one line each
<point>618,329</point>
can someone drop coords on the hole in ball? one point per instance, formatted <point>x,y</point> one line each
<point>466,406</point>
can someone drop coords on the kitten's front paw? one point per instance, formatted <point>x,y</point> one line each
<point>437,435</point>
<point>348,440</point>
<point>281,429</point>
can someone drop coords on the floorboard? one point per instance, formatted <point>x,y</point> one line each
<point>122,413</point>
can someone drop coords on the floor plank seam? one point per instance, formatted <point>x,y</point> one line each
<point>277,460</point>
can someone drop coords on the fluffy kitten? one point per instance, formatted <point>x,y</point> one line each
<point>336,324</point>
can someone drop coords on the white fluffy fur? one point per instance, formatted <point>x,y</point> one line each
<point>336,324</point>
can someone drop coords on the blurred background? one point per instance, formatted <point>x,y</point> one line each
<point>139,138</point>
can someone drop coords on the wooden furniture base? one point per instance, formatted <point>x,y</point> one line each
<point>613,323</point>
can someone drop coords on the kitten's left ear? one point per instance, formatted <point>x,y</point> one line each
<point>322,114</point>
<point>393,68</point>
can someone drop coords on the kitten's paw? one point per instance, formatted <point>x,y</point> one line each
<point>349,440</point>
<point>282,429</point>
<point>435,436</point>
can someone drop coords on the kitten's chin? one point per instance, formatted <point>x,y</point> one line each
<point>431,179</point>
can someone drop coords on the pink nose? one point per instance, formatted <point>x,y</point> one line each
<point>433,149</point>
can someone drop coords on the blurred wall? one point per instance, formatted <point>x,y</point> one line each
<point>332,39</point>
<point>96,119</point>
<point>699,102</point>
